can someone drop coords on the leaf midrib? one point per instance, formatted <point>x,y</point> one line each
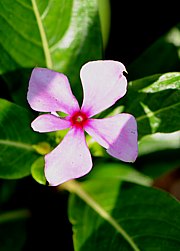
<point>74,187</point>
<point>45,44</point>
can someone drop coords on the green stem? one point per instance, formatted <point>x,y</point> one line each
<point>14,215</point>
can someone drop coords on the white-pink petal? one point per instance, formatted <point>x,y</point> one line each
<point>49,123</point>
<point>50,91</point>
<point>118,134</point>
<point>69,160</point>
<point>103,84</point>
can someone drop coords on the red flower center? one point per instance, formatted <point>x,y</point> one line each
<point>79,119</point>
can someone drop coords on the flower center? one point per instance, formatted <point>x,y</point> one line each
<point>79,119</point>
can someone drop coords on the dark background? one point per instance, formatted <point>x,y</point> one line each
<point>136,25</point>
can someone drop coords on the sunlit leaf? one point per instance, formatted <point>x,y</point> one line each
<point>158,142</point>
<point>55,34</point>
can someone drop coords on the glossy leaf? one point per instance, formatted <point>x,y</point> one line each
<point>16,141</point>
<point>53,34</point>
<point>155,102</point>
<point>159,142</point>
<point>122,216</point>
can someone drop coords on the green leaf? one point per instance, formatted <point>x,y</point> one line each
<point>155,102</point>
<point>55,34</point>
<point>116,216</point>
<point>165,82</point>
<point>16,141</point>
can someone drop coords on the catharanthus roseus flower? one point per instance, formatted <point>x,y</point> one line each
<point>103,84</point>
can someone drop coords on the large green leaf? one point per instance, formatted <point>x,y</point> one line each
<point>109,215</point>
<point>58,34</point>
<point>16,141</point>
<point>155,102</point>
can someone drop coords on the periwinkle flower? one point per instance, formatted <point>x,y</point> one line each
<point>103,84</point>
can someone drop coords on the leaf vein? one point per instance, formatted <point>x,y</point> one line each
<point>156,112</point>
<point>24,5</point>
<point>18,31</point>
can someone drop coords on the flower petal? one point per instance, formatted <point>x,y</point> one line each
<point>49,91</point>
<point>118,134</point>
<point>69,160</point>
<point>103,84</point>
<point>49,123</point>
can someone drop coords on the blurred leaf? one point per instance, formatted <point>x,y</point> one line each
<point>160,163</point>
<point>155,102</point>
<point>116,216</point>
<point>7,188</point>
<point>16,140</point>
<point>55,34</point>
<point>37,170</point>
<point>13,232</point>
<point>105,18</point>
<point>162,56</point>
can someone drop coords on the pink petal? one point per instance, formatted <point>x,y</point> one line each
<point>118,134</point>
<point>49,123</point>
<point>69,160</point>
<point>49,91</point>
<point>103,84</point>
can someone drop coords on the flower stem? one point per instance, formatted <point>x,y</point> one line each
<point>14,215</point>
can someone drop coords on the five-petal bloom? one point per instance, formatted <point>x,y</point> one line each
<point>103,84</point>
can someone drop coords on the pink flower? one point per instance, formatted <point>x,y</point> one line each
<point>103,84</point>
